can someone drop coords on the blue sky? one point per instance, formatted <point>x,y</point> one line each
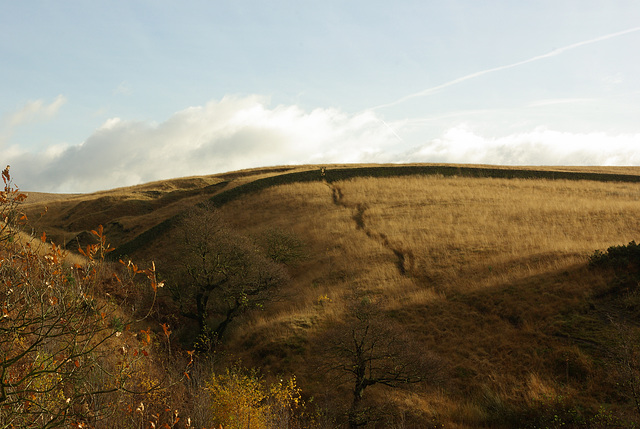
<point>100,94</point>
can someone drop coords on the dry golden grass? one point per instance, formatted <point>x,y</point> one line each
<point>403,236</point>
<point>476,269</point>
<point>457,232</point>
<point>489,274</point>
<point>124,212</point>
<point>129,211</point>
<point>40,248</point>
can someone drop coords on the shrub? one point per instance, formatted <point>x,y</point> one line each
<point>281,246</point>
<point>11,217</point>
<point>67,356</point>
<point>625,263</point>
<point>242,399</point>
<point>619,257</point>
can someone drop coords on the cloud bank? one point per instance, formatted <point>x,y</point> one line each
<point>538,147</point>
<point>236,133</point>
<point>225,135</point>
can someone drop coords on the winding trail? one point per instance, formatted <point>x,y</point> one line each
<point>404,259</point>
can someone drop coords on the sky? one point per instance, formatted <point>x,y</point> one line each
<point>101,94</point>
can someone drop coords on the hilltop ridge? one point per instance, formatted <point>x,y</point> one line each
<point>131,211</point>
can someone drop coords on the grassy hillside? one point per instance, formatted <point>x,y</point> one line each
<point>490,274</point>
<point>126,213</point>
<point>483,270</point>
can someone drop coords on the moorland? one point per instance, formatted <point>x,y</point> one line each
<point>391,296</point>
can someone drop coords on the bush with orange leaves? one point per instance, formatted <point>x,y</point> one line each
<point>57,336</point>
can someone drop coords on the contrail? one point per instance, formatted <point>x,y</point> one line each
<point>495,69</point>
<point>393,131</point>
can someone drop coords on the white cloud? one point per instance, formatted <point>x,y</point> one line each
<point>236,133</point>
<point>123,88</point>
<point>225,135</point>
<point>36,110</point>
<point>538,147</point>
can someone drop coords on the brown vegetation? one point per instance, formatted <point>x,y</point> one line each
<point>490,274</point>
<point>215,275</point>
<point>486,276</point>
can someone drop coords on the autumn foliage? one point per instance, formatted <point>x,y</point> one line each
<point>242,399</point>
<point>63,359</point>
<point>80,348</point>
<point>475,306</point>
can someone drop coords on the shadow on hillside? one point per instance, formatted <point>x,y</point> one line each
<point>518,352</point>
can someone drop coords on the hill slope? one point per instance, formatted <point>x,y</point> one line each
<point>482,269</point>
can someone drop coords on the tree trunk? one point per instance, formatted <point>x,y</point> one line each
<point>222,327</point>
<point>357,417</point>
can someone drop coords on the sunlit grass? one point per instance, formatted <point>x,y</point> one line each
<point>486,273</point>
<point>452,233</point>
<point>487,265</point>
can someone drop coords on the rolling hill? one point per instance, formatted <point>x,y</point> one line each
<point>481,270</point>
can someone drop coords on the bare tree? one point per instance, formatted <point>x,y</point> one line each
<point>218,274</point>
<point>367,349</point>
